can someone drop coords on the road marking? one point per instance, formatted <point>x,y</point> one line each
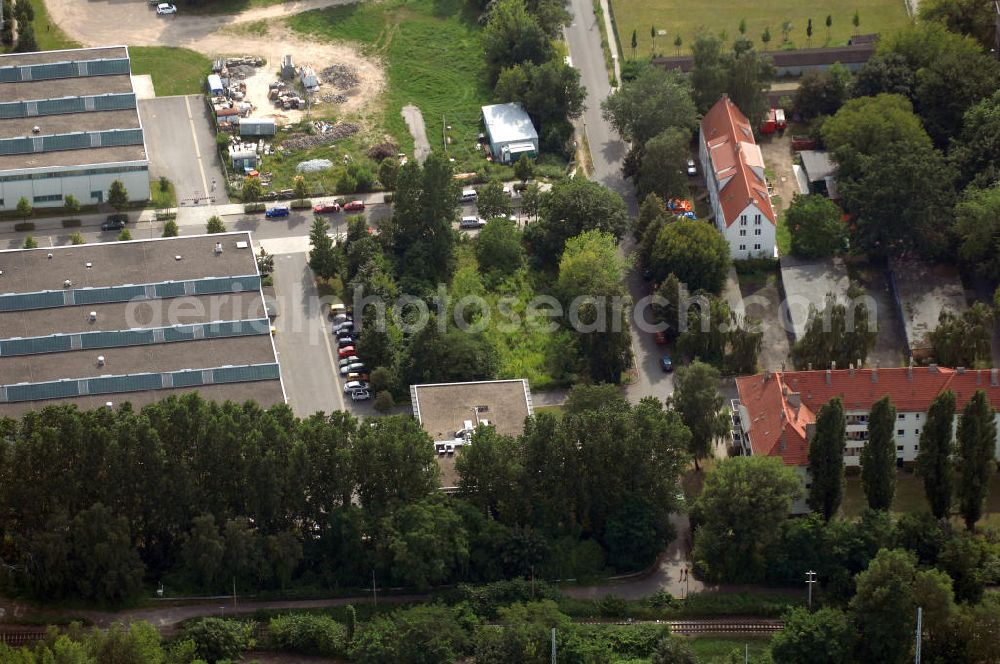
<point>197,150</point>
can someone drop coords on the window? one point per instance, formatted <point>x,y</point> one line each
<point>97,196</point>
<point>756,247</point>
<point>743,220</point>
<point>757,231</point>
<point>918,416</point>
<point>916,431</point>
<point>901,416</point>
<point>743,233</point>
<point>47,199</point>
<point>900,432</point>
<point>756,219</point>
<point>899,448</point>
<point>743,247</point>
<point>916,448</point>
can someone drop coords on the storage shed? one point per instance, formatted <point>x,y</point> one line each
<point>243,157</point>
<point>215,85</point>
<point>257,127</point>
<point>510,132</point>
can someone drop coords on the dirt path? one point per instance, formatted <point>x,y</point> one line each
<point>102,22</point>
<point>415,123</point>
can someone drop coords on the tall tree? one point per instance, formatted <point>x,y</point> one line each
<point>656,100</point>
<point>826,459</point>
<point>696,397</point>
<point>972,150</point>
<point>741,509</point>
<point>878,457</point>
<point>512,36</point>
<point>118,195</point>
<point>841,332</point>
<point>964,340</point>
<point>498,249</point>
<point>322,257</point>
<point>215,225</point>
<point>977,433</point>
<point>934,457</point>
<point>823,637</point>
<point>695,252</point>
<point>977,224</point>
<point>663,167</point>
<point>493,201</point>
<point>816,226</point>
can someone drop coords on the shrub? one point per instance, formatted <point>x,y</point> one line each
<point>24,226</point>
<point>486,600</point>
<point>76,238</point>
<point>217,639</point>
<point>612,606</point>
<point>71,223</point>
<point>388,198</point>
<point>222,140</point>
<point>301,204</point>
<point>308,634</point>
<point>254,207</point>
<point>383,401</point>
<point>346,184</point>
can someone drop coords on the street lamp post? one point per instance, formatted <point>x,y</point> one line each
<point>810,580</point>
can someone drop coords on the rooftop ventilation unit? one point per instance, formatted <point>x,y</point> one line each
<point>93,316</point>
<point>100,360</point>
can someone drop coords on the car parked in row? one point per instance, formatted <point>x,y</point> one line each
<point>165,8</point>
<point>277,211</point>
<point>471,223</point>
<point>355,385</point>
<point>354,206</point>
<point>354,367</point>
<point>115,222</point>
<point>346,351</point>
<point>468,195</point>
<point>360,394</point>
<point>351,359</point>
<point>326,208</point>
<point>345,324</point>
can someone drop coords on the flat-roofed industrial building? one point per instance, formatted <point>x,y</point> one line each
<point>135,321</point>
<point>69,125</point>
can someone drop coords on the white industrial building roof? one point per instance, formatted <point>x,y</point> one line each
<point>508,123</point>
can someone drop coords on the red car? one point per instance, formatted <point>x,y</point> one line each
<point>324,208</point>
<point>346,351</point>
<point>354,206</point>
<point>661,338</point>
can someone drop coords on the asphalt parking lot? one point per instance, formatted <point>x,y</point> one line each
<point>181,146</point>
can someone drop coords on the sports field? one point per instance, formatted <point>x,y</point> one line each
<point>685,18</point>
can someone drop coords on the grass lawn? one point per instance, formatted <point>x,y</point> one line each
<point>175,71</point>
<point>162,197</point>
<point>685,18</point>
<point>910,497</point>
<point>433,58</point>
<point>49,35</point>
<point>716,649</point>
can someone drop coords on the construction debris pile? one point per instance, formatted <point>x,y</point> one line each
<point>329,134</point>
<point>229,105</point>
<point>313,166</point>
<point>284,97</point>
<point>341,76</point>
<point>335,99</point>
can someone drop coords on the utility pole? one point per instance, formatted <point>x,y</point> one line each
<point>920,620</point>
<point>553,645</point>
<point>810,580</point>
<point>374,593</point>
<point>234,592</point>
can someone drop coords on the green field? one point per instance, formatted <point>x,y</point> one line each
<point>433,59</point>
<point>686,18</point>
<point>715,650</point>
<point>175,71</point>
<point>910,497</point>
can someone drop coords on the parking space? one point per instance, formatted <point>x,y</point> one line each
<point>181,146</point>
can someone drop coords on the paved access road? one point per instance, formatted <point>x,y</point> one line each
<point>608,150</point>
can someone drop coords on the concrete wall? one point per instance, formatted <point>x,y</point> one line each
<point>79,185</point>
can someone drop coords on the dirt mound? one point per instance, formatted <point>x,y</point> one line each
<point>340,76</point>
<point>330,134</point>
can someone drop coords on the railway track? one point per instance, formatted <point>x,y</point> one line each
<point>709,626</point>
<point>21,637</point>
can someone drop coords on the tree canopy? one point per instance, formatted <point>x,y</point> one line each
<point>653,102</point>
<point>694,251</point>
<point>816,226</point>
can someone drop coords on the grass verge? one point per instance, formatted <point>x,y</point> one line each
<point>433,59</point>
<point>49,35</point>
<point>717,649</point>
<point>609,63</point>
<point>162,197</point>
<point>175,71</point>
<point>686,18</point>
<point>910,498</point>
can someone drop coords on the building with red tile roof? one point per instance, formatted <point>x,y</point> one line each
<point>775,414</point>
<point>734,173</point>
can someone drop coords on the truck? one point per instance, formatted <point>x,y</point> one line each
<point>774,121</point>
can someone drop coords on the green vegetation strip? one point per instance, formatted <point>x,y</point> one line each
<point>433,58</point>
<point>175,71</point>
<point>686,18</point>
<point>49,35</point>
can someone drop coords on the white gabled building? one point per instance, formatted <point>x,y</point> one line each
<point>734,172</point>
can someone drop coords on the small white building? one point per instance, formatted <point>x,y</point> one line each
<point>510,132</point>
<point>69,125</point>
<point>734,173</point>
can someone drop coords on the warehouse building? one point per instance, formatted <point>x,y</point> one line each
<point>510,132</point>
<point>69,125</point>
<point>135,321</point>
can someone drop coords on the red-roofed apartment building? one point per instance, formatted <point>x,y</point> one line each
<point>734,172</point>
<point>775,414</point>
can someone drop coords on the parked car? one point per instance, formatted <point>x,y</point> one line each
<point>468,195</point>
<point>277,211</point>
<point>344,324</point>
<point>353,359</point>
<point>346,342</point>
<point>354,385</point>
<point>163,9</point>
<point>338,310</point>
<point>326,208</point>
<point>666,364</point>
<point>471,223</point>
<point>692,169</point>
<point>357,376</point>
<point>661,337</point>
<point>361,395</point>
<point>354,206</point>
<point>286,194</point>
<point>115,222</point>
<point>351,368</point>
<point>346,351</point>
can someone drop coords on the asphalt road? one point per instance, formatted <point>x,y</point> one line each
<point>608,150</point>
